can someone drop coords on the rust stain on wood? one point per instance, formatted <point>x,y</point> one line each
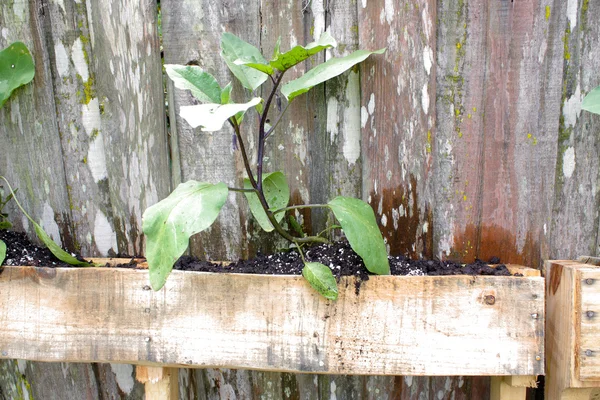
<point>487,241</point>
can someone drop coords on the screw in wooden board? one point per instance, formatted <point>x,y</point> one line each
<point>489,300</point>
<point>147,287</point>
<point>535,315</point>
<point>589,281</point>
<point>589,353</point>
<point>590,314</point>
<point>534,296</point>
<point>147,310</point>
<point>538,358</point>
<point>4,353</point>
<point>147,340</point>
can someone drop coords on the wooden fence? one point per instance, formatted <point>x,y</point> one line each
<point>466,137</point>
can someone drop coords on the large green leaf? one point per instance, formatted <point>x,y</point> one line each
<point>360,227</point>
<point>2,251</point>
<point>233,48</point>
<point>324,72</point>
<point>16,69</point>
<point>211,117</point>
<point>321,279</point>
<point>203,85</point>
<point>277,194</point>
<point>285,61</point>
<point>591,102</point>
<point>43,236</point>
<point>168,225</point>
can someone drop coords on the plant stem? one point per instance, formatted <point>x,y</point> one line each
<point>261,132</point>
<point>236,128</point>
<point>300,206</point>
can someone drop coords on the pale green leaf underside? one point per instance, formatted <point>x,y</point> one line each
<point>2,251</point>
<point>324,72</point>
<point>591,102</point>
<point>284,61</point>
<point>360,227</point>
<point>321,279</point>
<point>168,225</point>
<point>277,194</point>
<point>211,117</point>
<point>233,48</point>
<point>201,84</point>
<point>16,69</point>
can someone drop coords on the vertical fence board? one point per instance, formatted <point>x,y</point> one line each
<point>398,117</point>
<point>127,64</point>
<point>497,133</point>
<point>575,220</point>
<point>29,136</point>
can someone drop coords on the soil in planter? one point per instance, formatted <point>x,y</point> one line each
<point>339,256</point>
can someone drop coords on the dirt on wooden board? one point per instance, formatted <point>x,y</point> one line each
<point>339,256</point>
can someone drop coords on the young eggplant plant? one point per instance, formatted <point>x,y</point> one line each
<point>194,206</point>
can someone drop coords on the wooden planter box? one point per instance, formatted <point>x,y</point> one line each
<point>395,325</point>
<point>573,329</point>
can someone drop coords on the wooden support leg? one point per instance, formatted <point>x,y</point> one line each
<point>160,383</point>
<point>511,387</point>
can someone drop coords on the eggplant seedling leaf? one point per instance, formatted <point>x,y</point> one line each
<point>232,49</point>
<point>277,194</point>
<point>285,61</point>
<point>591,102</point>
<point>324,72</point>
<point>168,225</point>
<point>360,227</point>
<point>321,279</point>
<point>201,84</point>
<point>211,117</point>
<point>16,69</point>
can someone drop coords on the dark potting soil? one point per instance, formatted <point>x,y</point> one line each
<point>339,256</point>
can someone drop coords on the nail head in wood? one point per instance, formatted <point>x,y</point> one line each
<point>490,300</point>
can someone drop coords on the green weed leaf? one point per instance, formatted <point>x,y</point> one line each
<point>226,94</point>
<point>43,236</point>
<point>324,72</point>
<point>211,117</point>
<point>360,227</point>
<point>591,101</point>
<point>55,249</point>
<point>2,251</point>
<point>203,85</point>
<point>285,61</point>
<point>232,49</point>
<point>16,69</point>
<point>321,279</point>
<point>168,225</point>
<point>277,194</point>
<point>264,68</point>
<point>5,225</point>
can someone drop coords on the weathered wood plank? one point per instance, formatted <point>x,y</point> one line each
<point>128,75</point>
<point>577,193</point>
<point>398,119</point>
<point>192,33</point>
<point>588,355</point>
<point>565,322</point>
<point>378,331</point>
<point>31,156</point>
<point>498,64</point>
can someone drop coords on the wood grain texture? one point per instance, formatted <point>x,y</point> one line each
<point>398,119</point>
<point>497,128</point>
<point>379,331</point>
<point>128,75</point>
<point>577,192</point>
<point>564,325</point>
<point>29,133</point>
